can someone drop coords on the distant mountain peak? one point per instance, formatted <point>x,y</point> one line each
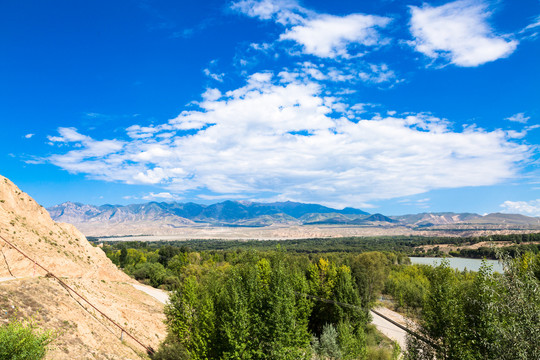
<point>379,217</point>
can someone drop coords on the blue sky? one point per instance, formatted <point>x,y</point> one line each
<point>389,106</point>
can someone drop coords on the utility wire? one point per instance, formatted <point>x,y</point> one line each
<point>7,264</point>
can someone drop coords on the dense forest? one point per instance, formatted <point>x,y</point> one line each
<point>247,300</point>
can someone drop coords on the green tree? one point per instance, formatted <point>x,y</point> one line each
<point>408,285</point>
<point>370,271</point>
<point>517,327</point>
<point>166,253</point>
<point>328,347</point>
<point>191,319</point>
<point>352,341</point>
<point>331,282</point>
<point>123,256</point>
<point>154,272</point>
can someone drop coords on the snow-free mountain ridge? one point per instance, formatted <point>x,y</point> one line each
<point>171,215</point>
<point>223,213</point>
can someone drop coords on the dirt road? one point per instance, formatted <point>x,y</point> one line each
<point>160,295</point>
<point>389,329</point>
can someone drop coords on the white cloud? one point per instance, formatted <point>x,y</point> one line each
<point>367,73</point>
<point>211,94</point>
<point>458,32</point>
<point>378,74</point>
<point>269,139</point>
<point>136,131</point>
<point>322,35</point>
<point>162,196</point>
<point>329,36</point>
<point>519,117</point>
<point>531,30</point>
<point>88,156</point>
<point>529,208</point>
<point>28,136</point>
<point>68,135</point>
<point>210,74</point>
<point>284,12</point>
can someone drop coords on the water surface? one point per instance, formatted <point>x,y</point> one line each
<point>458,263</point>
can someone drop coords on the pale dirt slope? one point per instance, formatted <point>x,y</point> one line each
<point>64,251</point>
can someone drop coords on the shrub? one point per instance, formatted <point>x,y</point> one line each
<point>171,350</point>
<point>22,340</point>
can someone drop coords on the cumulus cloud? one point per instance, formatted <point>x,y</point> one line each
<point>530,208</point>
<point>28,136</point>
<point>322,35</point>
<point>329,36</point>
<point>271,139</point>
<point>459,33</point>
<point>87,155</point>
<point>519,117</point>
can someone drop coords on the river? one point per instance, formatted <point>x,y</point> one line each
<point>458,263</point>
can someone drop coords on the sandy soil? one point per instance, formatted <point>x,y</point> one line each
<point>81,332</point>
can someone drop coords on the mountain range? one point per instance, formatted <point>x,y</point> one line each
<point>152,216</point>
<point>227,213</point>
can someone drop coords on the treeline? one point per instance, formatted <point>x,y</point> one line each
<point>492,252</point>
<point>400,244</point>
<point>307,246</point>
<point>162,264</point>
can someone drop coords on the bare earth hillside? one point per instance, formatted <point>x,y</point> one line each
<point>64,251</point>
